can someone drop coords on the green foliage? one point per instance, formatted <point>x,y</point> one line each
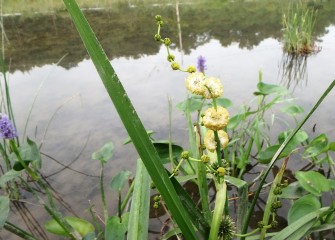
<point>116,227</point>
<point>314,182</point>
<point>4,210</point>
<point>82,226</point>
<point>105,153</point>
<point>118,181</point>
<point>298,27</point>
<point>303,206</point>
<point>140,205</point>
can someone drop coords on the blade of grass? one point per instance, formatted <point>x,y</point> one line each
<point>299,228</point>
<point>131,120</point>
<point>280,150</point>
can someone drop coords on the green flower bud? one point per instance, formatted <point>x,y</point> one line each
<point>152,185</point>
<point>175,66</point>
<point>185,154</point>
<point>158,18</point>
<point>221,171</point>
<point>277,191</point>
<point>274,224</point>
<point>205,159</point>
<point>167,41</point>
<point>157,37</point>
<point>170,58</point>
<point>156,205</point>
<point>191,69</point>
<point>157,198</point>
<point>260,224</point>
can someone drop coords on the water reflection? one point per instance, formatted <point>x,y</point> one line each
<point>293,70</point>
<point>127,31</point>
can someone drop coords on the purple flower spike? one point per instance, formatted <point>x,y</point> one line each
<point>7,129</point>
<point>201,64</point>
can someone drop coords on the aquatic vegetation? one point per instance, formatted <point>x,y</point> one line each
<point>223,145</point>
<point>298,27</point>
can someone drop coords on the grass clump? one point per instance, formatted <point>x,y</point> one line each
<point>298,25</point>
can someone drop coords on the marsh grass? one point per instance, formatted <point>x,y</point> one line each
<point>298,25</point>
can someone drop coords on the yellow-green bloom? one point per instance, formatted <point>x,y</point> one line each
<point>213,88</point>
<point>215,119</point>
<point>195,83</point>
<point>210,142</point>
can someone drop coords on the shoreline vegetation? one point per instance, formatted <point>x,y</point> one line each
<point>39,39</point>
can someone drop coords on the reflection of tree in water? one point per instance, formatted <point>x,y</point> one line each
<point>128,32</point>
<point>293,70</point>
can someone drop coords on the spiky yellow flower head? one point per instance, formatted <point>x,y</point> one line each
<point>195,83</point>
<point>213,88</point>
<point>221,171</point>
<point>215,119</point>
<point>210,142</point>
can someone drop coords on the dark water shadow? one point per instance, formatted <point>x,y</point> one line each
<point>293,70</point>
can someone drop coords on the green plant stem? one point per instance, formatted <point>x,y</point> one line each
<point>247,234</point>
<point>279,151</point>
<point>18,231</point>
<point>218,148</point>
<point>127,197</point>
<point>220,200</point>
<point>5,157</point>
<point>102,193</point>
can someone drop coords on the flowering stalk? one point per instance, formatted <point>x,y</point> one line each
<point>220,200</point>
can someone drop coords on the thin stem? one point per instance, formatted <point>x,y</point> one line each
<point>18,231</point>
<point>102,192</point>
<point>218,148</point>
<point>127,197</point>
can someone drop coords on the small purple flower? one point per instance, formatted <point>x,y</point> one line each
<point>7,129</point>
<point>201,64</point>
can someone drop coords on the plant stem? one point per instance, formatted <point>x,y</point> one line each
<point>18,231</point>
<point>102,192</point>
<point>220,200</point>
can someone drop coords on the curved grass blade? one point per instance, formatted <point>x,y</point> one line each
<point>299,228</point>
<point>131,120</point>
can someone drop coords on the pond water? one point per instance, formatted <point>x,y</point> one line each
<point>73,116</point>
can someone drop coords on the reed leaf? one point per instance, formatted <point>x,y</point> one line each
<point>131,120</point>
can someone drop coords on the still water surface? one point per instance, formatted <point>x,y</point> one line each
<point>73,115</point>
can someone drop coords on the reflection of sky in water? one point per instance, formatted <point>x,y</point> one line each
<point>149,82</point>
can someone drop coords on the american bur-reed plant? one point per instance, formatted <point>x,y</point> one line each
<point>221,147</point>
<point>298,26</point>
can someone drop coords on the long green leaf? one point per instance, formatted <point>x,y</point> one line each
<point>299,228</point>
<point>140,205</point>
<point>131,120</point>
